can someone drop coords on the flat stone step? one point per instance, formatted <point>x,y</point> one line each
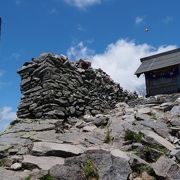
<point>44,163</point>
<point>56,149</point>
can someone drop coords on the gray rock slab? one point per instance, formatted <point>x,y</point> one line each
<point>178,155</point>
<point>116,126</point>
<point>61,150</point>
<point>128,118</point>
<point>144,110</point>
<point>73,172</point>
<point>95,138</point>
<point>158,139</point>
<point>166,168</point>
<point>47,136</point>
<point>142,117</point>
<point>166,106</point>
<point>12,175</point>
<point>109,166</point>
<point>175,121</point>
<point>158,126</point>
<point>89,128</point>
<point>72,137</point>
<point>34,126</point>
<point>120,154</point>
<point>14,139</point>
<point>176,110</point>
<point>44,163</point>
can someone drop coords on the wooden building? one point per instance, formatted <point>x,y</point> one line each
<point>162,72</point>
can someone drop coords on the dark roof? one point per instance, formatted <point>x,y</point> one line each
<point>158,61</point>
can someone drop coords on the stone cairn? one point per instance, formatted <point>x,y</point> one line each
<point>54,87</point>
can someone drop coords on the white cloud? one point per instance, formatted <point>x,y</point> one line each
<point>120,60</point>
<point>83,4</point>
<point>15,56</point>
<point>53,11</point>
<point>2,83</point>
<point>1,72</point>
<point>139,20</point>
<point>168,19</point>
<point>79,27</point>
<point>80,51</point>
<point>6,114</point>
<point>18,2</point>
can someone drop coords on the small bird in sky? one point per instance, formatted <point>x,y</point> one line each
<point>146,29</point>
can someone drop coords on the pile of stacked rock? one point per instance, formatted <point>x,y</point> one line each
<point>54,87</point>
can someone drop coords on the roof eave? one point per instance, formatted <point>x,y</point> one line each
<point>138,74</point>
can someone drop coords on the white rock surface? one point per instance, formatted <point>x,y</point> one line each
<point>119,153</point>
<point>16,166</point>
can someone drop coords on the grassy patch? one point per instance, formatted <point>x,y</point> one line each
<point>151,153</point>
<point>160,148</point>
<point>47,177</point>
<point>133,136</point>
<point>2,162</point>
<point>148,154</point>
<point>28,178</point>
<point>1,133</point>
<point>107,138</point>
<point>144,168</point>
<point>90,171</point>
<point>152,115</point>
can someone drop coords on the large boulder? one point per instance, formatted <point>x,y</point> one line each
<point>104,164</point>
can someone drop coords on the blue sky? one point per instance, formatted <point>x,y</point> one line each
<point>109,32</point>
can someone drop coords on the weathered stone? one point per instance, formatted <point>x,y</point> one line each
<point>166,168</point>
<point>175,121</point>
<point>121,154</point>
<point>16,166</point>
<point>66,172</point>
<point>177,154</point>
<point>47,136</point>
<point>61,150</point>
<point>89,128</point>
<point>145,110</point>
<point>33,126</point>
<point>176,110</point>
<point>158,126</point>
<point>12,175</point>
<point>142,117</point>
<point>108,166</point>
<point>158,139</point>
<point>71,137</point>
<point>44,163</point>
<point>101,120</point>
<point>72,110</point>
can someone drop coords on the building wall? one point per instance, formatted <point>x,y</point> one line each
<point>164,81</point>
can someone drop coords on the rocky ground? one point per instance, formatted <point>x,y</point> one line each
<point>139,142</point>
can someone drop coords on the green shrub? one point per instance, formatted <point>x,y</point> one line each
<point>133,136</point>
<point>90,171</point>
